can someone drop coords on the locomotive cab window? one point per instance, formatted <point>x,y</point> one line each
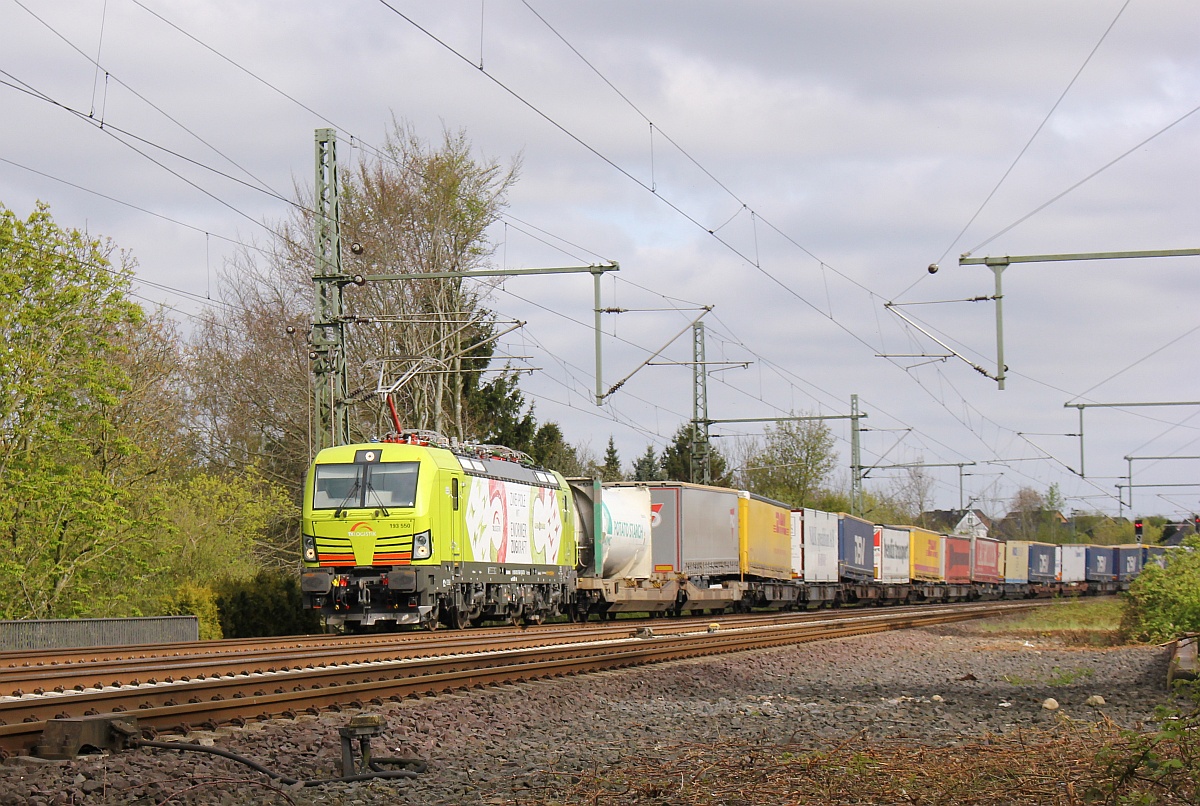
<point>359,486</point>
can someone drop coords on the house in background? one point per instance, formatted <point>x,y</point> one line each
<point>970,522</point>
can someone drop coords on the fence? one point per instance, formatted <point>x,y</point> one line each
<point>98,632</point>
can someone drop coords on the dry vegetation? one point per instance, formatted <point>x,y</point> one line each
<point>1067,765</point>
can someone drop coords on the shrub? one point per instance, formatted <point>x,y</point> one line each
<point>198,601</point>
<point>268,604</point>
<point>1164,603</point>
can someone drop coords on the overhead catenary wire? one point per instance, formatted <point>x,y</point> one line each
<point>139,4</point>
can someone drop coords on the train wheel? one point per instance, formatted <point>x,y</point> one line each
<point>458,619</point>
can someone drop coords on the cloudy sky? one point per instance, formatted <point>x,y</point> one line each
<point>797,166</point>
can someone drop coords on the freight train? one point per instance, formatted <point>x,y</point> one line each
<point>418,530</point>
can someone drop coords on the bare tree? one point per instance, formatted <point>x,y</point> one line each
<point>417,207</point>
<point>420,208</point>
<point>911,493</point>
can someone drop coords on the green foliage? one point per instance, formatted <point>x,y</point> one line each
<point>269,603</point>
<point>646,467</point>
<point>1159,766</point>
<point>1078,613</point>
<point>611,469</point>
<point>1058,677</point>
<point>199,601</point>
<point>795,462</point>
<point>77,511</point>
<point>509,422</point>
<point>676,461</point>
<point>549,449</point>
<point>1099,529</point>
<point>1164,603</point>
<point>228,526</point>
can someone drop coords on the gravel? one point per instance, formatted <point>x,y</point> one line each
<point>528,742</point>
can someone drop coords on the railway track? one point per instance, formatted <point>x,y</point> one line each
<point>178,687</point>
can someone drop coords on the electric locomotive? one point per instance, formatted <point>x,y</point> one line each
<point>417,530</point>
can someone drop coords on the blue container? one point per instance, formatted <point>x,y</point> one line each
<point>1129,562</point>
<point>1041,563</point>
<point>1154,554</point>
<point>856,548</point>
<point>1101,564</point>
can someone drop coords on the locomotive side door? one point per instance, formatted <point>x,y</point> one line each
<point>456,512</point>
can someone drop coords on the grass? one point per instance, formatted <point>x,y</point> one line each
<point>1076,621</point>
<point>1102,613</point>
<point>1059,677</point>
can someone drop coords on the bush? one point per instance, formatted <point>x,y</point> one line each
<point>268,604</point>
<point>1164,603</point>
<point>198,601</point>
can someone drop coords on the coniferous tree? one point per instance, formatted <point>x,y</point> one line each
<point>611,470</point>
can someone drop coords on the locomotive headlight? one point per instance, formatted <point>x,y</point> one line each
<point>308,545</point>
<point>422,545</point>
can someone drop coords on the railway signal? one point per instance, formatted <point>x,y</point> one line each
<point>1137,529</point>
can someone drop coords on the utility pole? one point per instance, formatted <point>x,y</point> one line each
<point>855,461</point>
<point>999,264</point>
<point>1131,459</point>
<point>856,469</point>
<point>701,467</point>
<point>327,340</point>
<point>1082,406</point>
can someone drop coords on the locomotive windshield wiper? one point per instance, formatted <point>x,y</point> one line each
<point>378,499</point>
<point>341,510</point>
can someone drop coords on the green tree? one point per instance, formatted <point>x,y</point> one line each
<point>75,509</point>
<point>223,525</point>
<point>676,460</point>
<point>611,470</point>
<point>796,460</point>
<point>646,467</point>
<point>1033,517</point>
<point>550,449</point>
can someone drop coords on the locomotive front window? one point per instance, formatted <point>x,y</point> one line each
<point>359,486</point>
<point>392,484</point>
<point>337,485</point>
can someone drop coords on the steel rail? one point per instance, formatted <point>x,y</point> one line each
<point>63,670</point>
<point>236,698</point>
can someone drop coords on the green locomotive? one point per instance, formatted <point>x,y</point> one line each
<point>420,531</point>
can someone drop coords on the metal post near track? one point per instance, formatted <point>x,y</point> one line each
<point>1082,406</point>
<point>327,339</point>
<point>999,264</point>
<point>855,460</point>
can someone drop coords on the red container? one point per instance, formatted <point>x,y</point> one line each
<point>956,559</point>
<point>987,560</point>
